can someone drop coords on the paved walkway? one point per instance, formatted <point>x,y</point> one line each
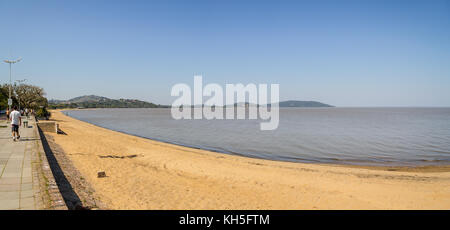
<point>17,190</point>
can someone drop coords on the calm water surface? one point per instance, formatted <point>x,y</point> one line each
<point>365,136</point>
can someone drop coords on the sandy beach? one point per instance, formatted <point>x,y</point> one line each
<point>147,174</point>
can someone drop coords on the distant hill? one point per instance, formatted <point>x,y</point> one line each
<point>303,104</point>
<point>93,101</point>
<point>89,98</point>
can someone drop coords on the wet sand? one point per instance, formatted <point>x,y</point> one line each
<point>147,174</point>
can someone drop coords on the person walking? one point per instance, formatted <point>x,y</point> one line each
<point>16,121</point>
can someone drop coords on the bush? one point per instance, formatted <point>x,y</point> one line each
<point>43,113</point>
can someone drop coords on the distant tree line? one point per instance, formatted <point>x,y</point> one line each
<point>122,103</point>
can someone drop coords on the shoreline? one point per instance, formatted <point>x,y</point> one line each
<point>147,174</point>
<point>436,166</point>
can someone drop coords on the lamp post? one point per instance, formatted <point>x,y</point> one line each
<point>20,82</point>
<point>10,62</point>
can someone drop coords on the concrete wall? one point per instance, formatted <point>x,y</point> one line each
<point>48,126</point>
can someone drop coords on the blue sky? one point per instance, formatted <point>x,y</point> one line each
<point>345,53</point>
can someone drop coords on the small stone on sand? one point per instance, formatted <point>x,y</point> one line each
<point>101,174</point>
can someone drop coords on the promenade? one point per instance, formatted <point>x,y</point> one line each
<point>19,181</point>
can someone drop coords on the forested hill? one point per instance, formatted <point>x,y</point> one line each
<point>93,101</point>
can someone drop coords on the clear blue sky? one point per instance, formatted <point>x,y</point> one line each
<point>345,53</point>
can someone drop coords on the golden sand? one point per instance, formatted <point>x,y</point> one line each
<point>147,174</point>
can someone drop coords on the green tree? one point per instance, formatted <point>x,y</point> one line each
<point>3,99</point>
<point>30,96</point>
<point>4,95</point>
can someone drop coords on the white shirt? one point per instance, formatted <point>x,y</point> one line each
<point>15,116</point>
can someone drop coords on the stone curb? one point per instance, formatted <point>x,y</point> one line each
<point>50,195</point>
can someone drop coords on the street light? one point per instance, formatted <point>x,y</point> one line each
<point>10,62</point>
<point>20,82</point>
